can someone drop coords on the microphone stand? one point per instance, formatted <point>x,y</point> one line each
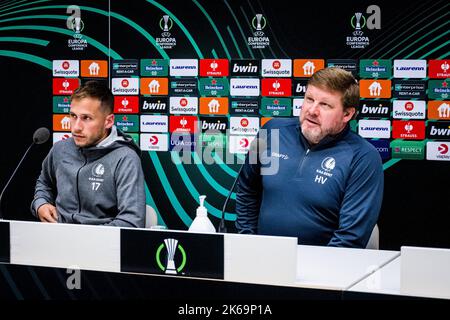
<point>12,176</point>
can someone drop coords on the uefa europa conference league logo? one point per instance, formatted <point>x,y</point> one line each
<point>75,24</point>
<point>358,22</point>
<point>259,39</point>
<point>166,41</point>
<point>171,246</point>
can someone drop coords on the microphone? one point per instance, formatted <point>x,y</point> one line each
<point>256,143</point>
<point>40,136</point>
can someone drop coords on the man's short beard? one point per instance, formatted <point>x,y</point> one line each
<point>312,137</point>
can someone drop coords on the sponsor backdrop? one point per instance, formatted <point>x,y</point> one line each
<point>201,76</point>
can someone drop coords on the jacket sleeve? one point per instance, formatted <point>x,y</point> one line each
<point>45,190</point>
<point>248,196</point>
<point>129,179</point>
<point>361,204</point>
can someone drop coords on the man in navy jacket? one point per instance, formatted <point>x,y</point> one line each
<point>328,186</point>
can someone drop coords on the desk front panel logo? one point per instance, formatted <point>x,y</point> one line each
<point>172,253</point>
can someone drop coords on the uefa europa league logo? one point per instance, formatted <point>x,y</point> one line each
<point>171,246</point>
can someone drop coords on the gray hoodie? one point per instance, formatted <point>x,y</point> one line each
<point>100,185</point>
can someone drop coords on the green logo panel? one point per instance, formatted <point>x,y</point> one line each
<point>127,123</point>
<point>375,68</point>
<point>438,89</point>
<point>214,87</point>
<point>411,150</point>
<point>61,104</point>
<point>276,107</point>
<point>154,67</point>
<point>214,141</point>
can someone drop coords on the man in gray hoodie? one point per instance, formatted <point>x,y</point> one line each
<point>95,177</point>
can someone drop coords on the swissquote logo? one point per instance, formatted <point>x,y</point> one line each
<point>276,67</point>
<point>66,68</point>
<point>410,109</point>
<point>174,256</point>
<point>244,125</point>
<point>125,86</point>
<point>183,105</point>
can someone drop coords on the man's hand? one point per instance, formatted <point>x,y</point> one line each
<point>47,213</point>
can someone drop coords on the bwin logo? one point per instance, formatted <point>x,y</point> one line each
<point>328,164</point>
<point>98,170</point>
<point>171,246</point>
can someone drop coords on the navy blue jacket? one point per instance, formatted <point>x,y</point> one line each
<point>329,194</point>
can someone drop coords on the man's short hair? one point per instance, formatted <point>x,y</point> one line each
<point>97,90</point>
<point>338,80</point>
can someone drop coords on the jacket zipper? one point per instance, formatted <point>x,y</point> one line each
<point>78,173</point>
<point>304,159</point>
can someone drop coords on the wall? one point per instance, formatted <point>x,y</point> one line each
<point>32,34</point>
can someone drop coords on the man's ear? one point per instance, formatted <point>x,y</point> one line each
<point>349,114</point>
<point>109,121</point>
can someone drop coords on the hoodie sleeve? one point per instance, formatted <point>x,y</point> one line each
<point>45,190</point>
<point>362,202</point>
<point>129,179</point>
<point>248,197</point>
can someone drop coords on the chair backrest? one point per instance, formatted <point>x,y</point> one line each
<point>151,219</point>
<point>374,239</point>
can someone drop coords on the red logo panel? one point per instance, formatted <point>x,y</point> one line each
<point>187,124</point>
<point>276,87</point>
<point>408,129</point>
<point>214,67</point>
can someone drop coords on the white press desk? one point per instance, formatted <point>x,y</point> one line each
<point>337,268</point>
<point>417,272</point>
<point>250,259</point>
